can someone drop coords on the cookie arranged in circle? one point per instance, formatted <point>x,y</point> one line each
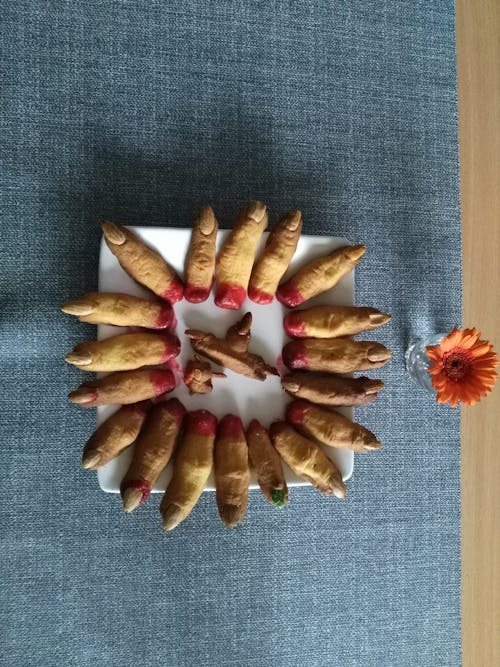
<point>226,370</point>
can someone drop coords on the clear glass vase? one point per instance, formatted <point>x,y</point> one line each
<point>417,361</point>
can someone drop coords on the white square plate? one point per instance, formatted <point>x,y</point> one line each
<point>237,394</point>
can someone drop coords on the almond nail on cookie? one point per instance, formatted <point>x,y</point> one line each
<point>335,355</point>
<point>235,261</point>
<point>123,388</point>
<point>330,389</point>
<point>142,263</point>
<point>319,275</point>
<point>275,258</point>
<point>198,376</point>
<point>332,321</point>
<point>114,435</point>
<point>307,460</point>
<point>192,467</point>
<point>121,310</point>
<point>124,352</point>
<point>330,428</point>
<point>152,452</point>
<point>200,260</point>
<point>265,464</point>
<point>232,475</point>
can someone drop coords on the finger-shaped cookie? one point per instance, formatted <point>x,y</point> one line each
<point>319,275</point>
<point>335,355</point>
<point>238,336</point>
<point>307,460</point>
<point>234,263</point>
<point>124,352</point>
<point>198,376</point>
<point>142,263</point>
<point>123,387</point>
<point>265,464</point>
<point>273,262</point>
<point>200,260</point>
<point>232,475</point>
<point>114,435</point>
<point>152,452</point>
<point>121,310</point>
<point>192,466</point>
<point>332,321</point>
<point>330,428</point>
<point>330,389</point>
<point>220,352</point>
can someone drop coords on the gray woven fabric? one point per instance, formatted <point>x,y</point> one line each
<point>141,111</point>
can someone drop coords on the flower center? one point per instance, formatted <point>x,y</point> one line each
<point>457,364</point>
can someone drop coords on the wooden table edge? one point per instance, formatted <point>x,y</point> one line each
<point>478,61</point>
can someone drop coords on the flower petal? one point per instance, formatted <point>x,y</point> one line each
<point>469,338</point>
<point>451,340</point>
<point>434,353</point>
<point>462,368</point>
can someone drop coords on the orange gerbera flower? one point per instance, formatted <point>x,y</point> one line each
<point>463,367</point>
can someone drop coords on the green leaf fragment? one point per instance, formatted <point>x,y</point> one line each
<point>278,497</point>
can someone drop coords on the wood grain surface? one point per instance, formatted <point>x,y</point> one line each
<point>478,56</point>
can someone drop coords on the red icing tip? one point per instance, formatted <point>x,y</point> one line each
<point>139,485</point>
<point>289,295</point>
<point>230,296</point>
<point>259,296</point>
<point>173,365</point>
<point>166,318</point>
<point>162,381</point>
<point>296,410</point>
<point>195,294</point>
<point>230,426</point>
<point>276,429</point>
<point>294,326</point>
<point>174,291</point>
<point>172,347</point>
<point>294,355</point>
<point>175,409</point>
<point>255,425</point>
<point>141,408</point>
<point>201,422</point>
